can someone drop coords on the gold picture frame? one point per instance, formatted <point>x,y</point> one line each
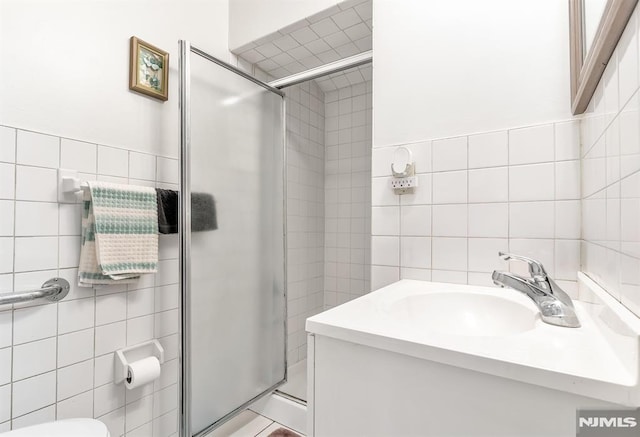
<point>148,69</point>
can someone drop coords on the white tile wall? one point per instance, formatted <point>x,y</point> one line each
<point>515,190</point>
<point>305,211</point>
<point>348,197</point>
<point>56,360</point>
<point>610,131</point>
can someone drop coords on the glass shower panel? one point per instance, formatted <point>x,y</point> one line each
<point>237,298</point>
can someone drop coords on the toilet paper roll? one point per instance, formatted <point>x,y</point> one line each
<point>142,372</point>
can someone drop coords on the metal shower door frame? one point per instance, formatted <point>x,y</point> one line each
<point>185,49</point>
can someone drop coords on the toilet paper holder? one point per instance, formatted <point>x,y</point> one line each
<point>123,357</point>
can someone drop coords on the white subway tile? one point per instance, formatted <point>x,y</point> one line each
<point>78,155</point>
<point>165,400</point>
<point>75,347</point>
<point>36,219</point>
<point>385,250</point>
<point>76,406</point>
<point>166,323</point>
<point>168,170</point>
<point>38,149</point>
<point>531,220</point>
<point>567,219</point>
<point>449,276</point>
<point>5,402</point>
<point>489,185</point>
<point>76,315</point>
<point>381,159</point>
<point>6,328</point>
<point>108,398</point>
<point>142,166</point>
<point>110,337</point>
<point>138,413</point>
<point>567,137</point>
<point>421,154</point>
<point>418,274</point>
<point>450,154</point>
<point>382,276</point>
<point>34,358</point>
<point>111,308</point>
<point>75,379</point>
<point>7,181</point>
<point>6,218</point>
<point>488,220</point>
<point>489,150</point>
<point>449,253</point>
<point>113,162</point>
<point>567,258</point>
<point>385,220</point>
<point>37,417</point>
<point>140,302</point>
<point>140,329</point>
<point>5,365</point>
<point>382,194</point>
<point>449,221</point>
<point>34,323</point>
<point>415,220</point>
<point>114,421</point>
<point>531,182</point>
<point>70,219</point>
<point>532,144</point>
<point>415,252</point>
<point>6,254</point>
<point>167,297</point>
<point>33,393</point>
<point>483,254</point>
<point>34,183</point>
<point>7,144</point>
<point>568,180</point>
<point>36,253</point>
<point>450,187</point>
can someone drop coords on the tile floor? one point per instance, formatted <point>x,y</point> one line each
<point>247,424</point>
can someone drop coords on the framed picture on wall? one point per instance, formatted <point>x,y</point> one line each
<point>149,69</point>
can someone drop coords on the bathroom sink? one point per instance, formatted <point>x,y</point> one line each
<point>463,313</point>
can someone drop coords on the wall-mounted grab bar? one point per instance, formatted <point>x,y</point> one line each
<point>54,289</point>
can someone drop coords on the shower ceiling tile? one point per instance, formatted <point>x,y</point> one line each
<point>350,4</point>
<point>364,44</point>
<point>252,56</point>
<point>311,62</point>
<point>300,53</point>
<point>304,35</point>
<point>318,46</point>
<point>268,50</point>
<point>358,31</point>
<point>346,18</point>
<point>283,59</point>
<point>337,39</point>
<point>285,43</point>
<point>347,50</point>
<point>325,27</point>
<point>329,56</point>
<point>364,11</point>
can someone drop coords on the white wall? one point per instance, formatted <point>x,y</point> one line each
<point>611,175</point>
<point>65,66</point>
<point>253,19</point>
<point>449,67</point>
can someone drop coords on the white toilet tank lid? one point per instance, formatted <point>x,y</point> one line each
<point>63,428</point>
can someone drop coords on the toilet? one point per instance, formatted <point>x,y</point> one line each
<point>62,428</point>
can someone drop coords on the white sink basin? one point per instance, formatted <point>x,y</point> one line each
<point>463,313</point>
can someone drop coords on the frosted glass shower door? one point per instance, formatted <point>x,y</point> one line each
<point>235,294</point>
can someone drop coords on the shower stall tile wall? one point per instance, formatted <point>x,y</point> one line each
<point>611,175</point>
<point>305,211</point>
<point>515,190</point>
<point>56,360</point>
<point>347,193</point>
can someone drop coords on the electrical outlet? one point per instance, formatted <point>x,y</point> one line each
<point>401,183</point>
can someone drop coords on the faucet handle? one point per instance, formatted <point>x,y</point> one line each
<point>536,269</point>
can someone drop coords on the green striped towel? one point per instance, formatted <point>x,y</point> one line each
<point>119,234</point>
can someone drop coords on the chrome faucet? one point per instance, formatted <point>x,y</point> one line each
<point>556,307</point>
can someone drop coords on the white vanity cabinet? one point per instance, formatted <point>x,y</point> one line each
<point>370,375</point>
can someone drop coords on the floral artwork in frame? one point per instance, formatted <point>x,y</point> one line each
<point>149,70</point>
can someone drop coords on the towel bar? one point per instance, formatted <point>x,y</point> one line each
<point>54,289</point>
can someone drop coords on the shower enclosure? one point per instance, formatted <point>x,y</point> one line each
<point>233,276</point>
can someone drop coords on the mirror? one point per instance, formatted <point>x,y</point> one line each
<point>595,28</point>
